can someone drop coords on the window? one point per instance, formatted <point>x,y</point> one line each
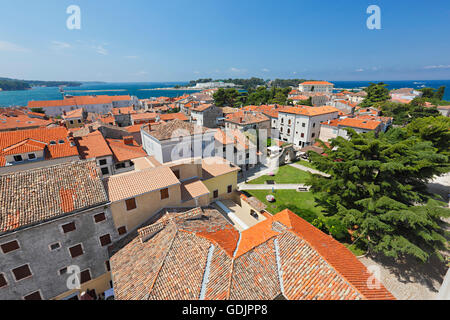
<point>131,204</point>
<point>10,246</point>
<point>3,282</point>
<point>31,156</point>
<point>108,266</point>
<point>120,166</point>
<point>164,194</point>
<point>61,141</point>
<point>105,171</point>
<point>177,173</point>
<point>216,194</point>
<point>18,158</point>
<point>33,296</point>
<point>105,240</point>
<point>62,271</point>
<point>52,143</point>
<point>230,189</point>
<point>22,272</point>
<point>79,120</point>
<point>313,135</point>
<point>99,217</point>
<point>85,276</point>
<point>302,135</point>
<point>76,251</point>
<point>69,227</point>
<point>55,246</point>
<point>303,124</point>
<point>71,121</point>
<point>314,125</point>
<point>103,162</point>
<point>122,230</point>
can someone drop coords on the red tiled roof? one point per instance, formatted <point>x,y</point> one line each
<point>243,117</point>
<point>78,113</point>
<point>92,146</point>
<point>38,195</point>
<point>42,135</point>
<point>354,123</point>
<point>282,252</point>
<point>21,122</point>
<point>173,116</point>
<point>314,83</point>
<point>310,111</point>
<point>123,152</point>
<point>78,101</point>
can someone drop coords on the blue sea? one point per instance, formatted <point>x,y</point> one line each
<point>21,98</point>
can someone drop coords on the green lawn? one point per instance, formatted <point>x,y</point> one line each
<point>286,174</point>
<point>301,203</point>
<point>306,164</point>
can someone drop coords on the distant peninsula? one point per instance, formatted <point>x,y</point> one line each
<point>7,84</point>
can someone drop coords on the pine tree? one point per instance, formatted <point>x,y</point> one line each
<point>378,190</point>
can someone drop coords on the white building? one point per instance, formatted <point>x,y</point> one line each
<point>301,125</point>
<point>176,140</point>
<point>316,86</point>
<point>332,129</point>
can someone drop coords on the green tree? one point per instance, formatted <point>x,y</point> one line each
<point>38,110</point>
<point>376,94</point>
<point>225,97</point>
<point>378,189</point>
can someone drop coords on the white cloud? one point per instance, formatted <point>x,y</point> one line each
<point>100,50</point>
<point>9,46</point>
<point>60,45</point>
<point>438,67</point>
<point>236,70</point>
<point>359,70</point>
<point>265,70</point>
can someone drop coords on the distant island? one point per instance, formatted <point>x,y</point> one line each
<point>7,84</point>
<point>244,84</point>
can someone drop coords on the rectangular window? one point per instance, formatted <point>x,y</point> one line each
<point>120,166</point>
<point>31,156</point>
<point>230,189</point>
<point>3,282</point>
<point>85,276</point>
<point>18,158</point>
<point>164,194</point>
<point>22,272</point>
<point>76,251</point>
<point>303,125</point>
<point>10,246</point>
<point>105,240</point>
<point>69,227</point>
<point>313,135</point>
<point>63,271</point>
<point>33,296</point>
<point>105,171</point>
<point>99,217</point>
<point>55,246</point>
<point>122,230</point>
<point>131,204</point>
<point>102,162</point>
<point>302,135</point>
<point>108,266</point>
<point>216,194</point>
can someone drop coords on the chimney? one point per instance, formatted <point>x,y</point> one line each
<point>128,140</point>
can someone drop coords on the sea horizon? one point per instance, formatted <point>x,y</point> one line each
<point>146,90</point>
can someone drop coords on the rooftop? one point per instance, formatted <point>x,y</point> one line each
<point>21,121</point>
<point>246,117</point>
<point>173,116</point>
<point>77,101</point>
<point>175,128</point>
<point>310,111</point>
<point>93,146</point>
<point>354,123</point>
<point>51,137</point>
<point>123,151</point>
<point>132,184</point>
<point>78,113</point>
<point>199,255</point>
<point>315,83</point>
<point>34,196</point>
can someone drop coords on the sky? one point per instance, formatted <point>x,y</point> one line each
<point>181,40</point>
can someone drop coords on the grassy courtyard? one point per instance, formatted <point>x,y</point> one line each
<point>286,174</point>
<point>306,164</point>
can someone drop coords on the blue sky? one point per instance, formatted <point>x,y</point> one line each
<point>147,40</point>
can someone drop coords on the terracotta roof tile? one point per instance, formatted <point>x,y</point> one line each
<point>130,185</point>
<point>123,152</point>
<point>93,146</point>
<point>34,196</point>
<point>310,111</point>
